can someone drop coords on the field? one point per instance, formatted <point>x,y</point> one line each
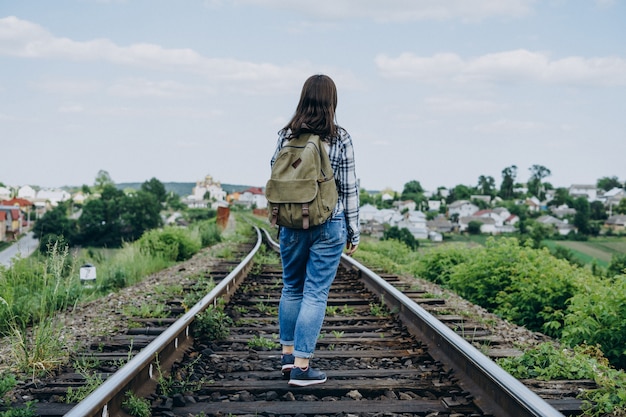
<point>600,249</point>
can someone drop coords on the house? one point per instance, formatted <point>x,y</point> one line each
<point>79,198</point>
<point>534,204</point>
<point>563,228</point>
<point>563,211</point>
<point>488,225</point>
<point>434,205</point>
<point>24,205</point>
<point>590,192</point>
<point>26,192</point>
<point>50,197</point>
<point>435,236</point>
<point>616,223</point>
<point>3,225</point>
<point>462,208</point>
<point>509,224</point>
<point>5,193</point>
<point>414,222</point>
<point>373,229</point>
<point>370,214</point>
<point>253,196</point>
<point>504,220</point>
<point>612,198</point>
<point>440,225</point>
<point>409,205</point>
<point>367,213</point>
<point>11,222</point>
<point>485,198</point>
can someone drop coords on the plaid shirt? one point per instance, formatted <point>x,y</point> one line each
<point>341,155</point>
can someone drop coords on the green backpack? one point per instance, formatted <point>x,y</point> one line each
<point>301,191</point>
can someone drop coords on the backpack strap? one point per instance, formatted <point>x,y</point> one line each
<point>305,216</point>
<point>274,215</point>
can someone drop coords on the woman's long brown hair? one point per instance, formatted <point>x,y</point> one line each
<point>316,110</point>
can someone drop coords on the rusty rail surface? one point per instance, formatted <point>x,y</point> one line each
<point>138,372</point>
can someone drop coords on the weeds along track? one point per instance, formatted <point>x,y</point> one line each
<point>384,356</point>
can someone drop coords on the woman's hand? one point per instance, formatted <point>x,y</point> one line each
<point>351,248</point>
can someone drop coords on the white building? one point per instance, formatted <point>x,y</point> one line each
<point>26,192</point>
<point>5,193</point>
<point>253,197</point>
<point>205,190</point>
<point>462,208</point>
<point>51,197</point>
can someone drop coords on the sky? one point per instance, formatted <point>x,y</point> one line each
<point>436,91</point>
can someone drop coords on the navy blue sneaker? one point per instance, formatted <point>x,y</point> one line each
<point>286,361</point>
<point>304,378</point>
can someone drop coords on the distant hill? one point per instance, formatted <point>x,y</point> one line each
<point>183,189</point>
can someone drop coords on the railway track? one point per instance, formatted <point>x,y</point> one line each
<point>383,353</point>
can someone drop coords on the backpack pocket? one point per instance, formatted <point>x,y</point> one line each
<point>291,191</point>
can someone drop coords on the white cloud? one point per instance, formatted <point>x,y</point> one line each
<point>133,87</point>
<point>68,86</point>
<point>510,66</point>
<point>605,3</point>
<point>71,108</point>
<point>28,40</point>
<point>401,10</point>
<point>505,126</point>
<point>460,105</point>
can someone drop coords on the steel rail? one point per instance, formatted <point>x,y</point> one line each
<point>494,389</point>
<point>107,399</point>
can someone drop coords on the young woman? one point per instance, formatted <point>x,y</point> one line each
<point>310,257</point>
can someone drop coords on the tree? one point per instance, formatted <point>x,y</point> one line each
<point>402,235</point>
<point>156,188</point>
<point>582,216</point>
<point>55,222</point>
<point>413,190</point>
<point>460,192</point>
<point>537,174</point>
<point>99,224</point>
<point>115,217</point>
<point>598,212</point>
<point>103,179</point>
<point>486,185</point>
<point>412,187</point>
<point>539,232</point>
<point>139,212</point>
<point>174,202</point>
<point>473,227</point>
<point>608,183</point>
<point>562,196</point>
<point>365,197</point>
<point>509,174</point>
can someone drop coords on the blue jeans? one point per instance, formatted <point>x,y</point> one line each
<point>310,259</point>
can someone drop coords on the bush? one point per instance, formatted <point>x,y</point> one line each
<point>548,362</point>
<point>437,264</point>
<point>209,233</point>
<point>524,285</point>
<point>171,243</point>
<point>597,315</point>
<point>402,235</point>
